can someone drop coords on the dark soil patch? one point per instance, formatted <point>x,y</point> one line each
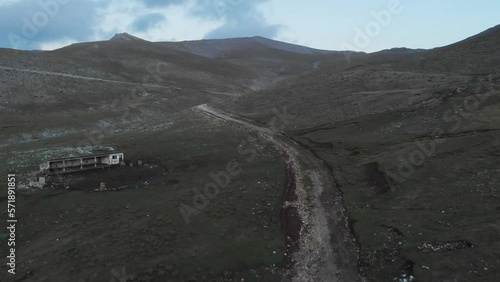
<point>319,145</point>
<point>376,179</point>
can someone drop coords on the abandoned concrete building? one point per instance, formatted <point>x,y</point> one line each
<point>72,164</point>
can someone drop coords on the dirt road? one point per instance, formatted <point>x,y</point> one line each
<point>321,246</point>
<point>74,76</point>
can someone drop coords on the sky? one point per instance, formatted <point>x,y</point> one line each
<point>323,24</point>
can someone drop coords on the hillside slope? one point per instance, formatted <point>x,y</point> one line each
<point>112,83</point>
<point>414,144</point>
<point>474,55</point>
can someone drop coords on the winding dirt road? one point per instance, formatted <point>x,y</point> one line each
<point>319,240</point>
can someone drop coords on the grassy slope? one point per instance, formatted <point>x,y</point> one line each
<point>69,235</point>
<point>452,196</point>
<point>370,115</point>
<point>362,120</point>
<point>238,234</point>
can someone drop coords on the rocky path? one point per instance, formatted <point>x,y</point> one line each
<point>325,247</point>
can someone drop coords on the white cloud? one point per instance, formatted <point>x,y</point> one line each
<point>52,45</point>
<point>179,23</point>
<point>8,2</point>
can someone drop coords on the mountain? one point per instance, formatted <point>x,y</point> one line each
<point>380,81</point>
<point>407,134</point>
<point>236,47</point>
<point>90,79</point>
<point>271,60</point>
<point>124,37</point>
<point>474,55</point>
<point>410,136</point>
<point>195,72</point>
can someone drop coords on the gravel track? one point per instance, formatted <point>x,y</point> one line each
<point>326,247</point>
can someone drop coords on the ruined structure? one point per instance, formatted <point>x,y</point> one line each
<point>71,164</point>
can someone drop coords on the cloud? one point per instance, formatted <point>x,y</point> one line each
<point>56,44</point>
<point>161,3</point>
<point>244,27</point>
<point>146,22</point>
<point>28,22</point>
<point>46,24</point>
<point>241,18</point>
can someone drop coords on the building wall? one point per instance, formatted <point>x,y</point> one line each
<point>115,158</point>
<point>105,160</point>
<point>84,162</point>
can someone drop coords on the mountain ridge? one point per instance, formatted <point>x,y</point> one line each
<point>124,36</point>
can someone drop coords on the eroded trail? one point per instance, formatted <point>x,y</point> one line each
<point>325,248</point>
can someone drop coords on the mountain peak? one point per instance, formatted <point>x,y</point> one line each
<point>124,37</point>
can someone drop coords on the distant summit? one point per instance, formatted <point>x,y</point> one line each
<point>124,37</point>
<point>289,47</point>
<point>242,47</point>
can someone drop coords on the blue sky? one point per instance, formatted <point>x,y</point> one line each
<point>324,24</point>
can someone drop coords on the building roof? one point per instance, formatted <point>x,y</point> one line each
<point>85,156</point>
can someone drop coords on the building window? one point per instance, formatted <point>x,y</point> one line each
<point>114,157</point>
